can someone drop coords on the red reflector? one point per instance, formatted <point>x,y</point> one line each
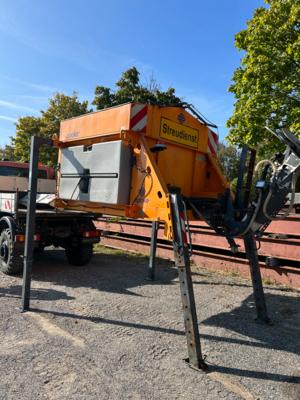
<point>91,234</point>
<point>19,238</point>
<point>37,237</point>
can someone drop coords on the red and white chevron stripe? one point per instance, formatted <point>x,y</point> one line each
<point>212,142</point>
<point>138,117</point>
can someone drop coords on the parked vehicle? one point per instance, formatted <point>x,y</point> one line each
<point>74,231</point>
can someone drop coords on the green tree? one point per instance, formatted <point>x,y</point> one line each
<point>25,128</point>
<point>130,89</point>
<point>7,153</point>
<point>60,107</point>
<point>267,83</point>
<point>229,158</point>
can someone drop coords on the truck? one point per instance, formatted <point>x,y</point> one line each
<point>72,230</point>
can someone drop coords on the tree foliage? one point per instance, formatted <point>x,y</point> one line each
<point>130,89</point>
<point>229,158</point>
<point>60,107</point>
<point>7,153</point>
<point>267,83</point>
<point>25,128</point>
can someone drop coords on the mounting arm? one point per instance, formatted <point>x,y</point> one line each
<point>278,178</point>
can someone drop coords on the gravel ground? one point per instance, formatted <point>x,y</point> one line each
<point>105,332</point>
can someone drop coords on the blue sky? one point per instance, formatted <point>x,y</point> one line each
<point>49,46</point>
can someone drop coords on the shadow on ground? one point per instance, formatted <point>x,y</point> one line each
<point>283,334</point>
<point>14,291</point>
<point>114,272</point>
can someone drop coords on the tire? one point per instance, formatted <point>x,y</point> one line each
<point>79,255</point>
<point>11,258</point>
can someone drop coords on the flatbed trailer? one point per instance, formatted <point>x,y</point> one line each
<point>72,230</point>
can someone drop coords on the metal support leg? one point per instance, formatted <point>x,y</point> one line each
<point>258,290</point>
<point>182,261</point>
<point>30,219</point>
<point>152,269</point>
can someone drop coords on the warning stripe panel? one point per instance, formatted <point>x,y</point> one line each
<point>138,117</point>
<point>136,108</point>
<point>212,142</point>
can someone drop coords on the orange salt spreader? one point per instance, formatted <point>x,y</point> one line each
<point>126,160</point>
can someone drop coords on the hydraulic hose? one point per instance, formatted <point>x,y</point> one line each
<point>246,230</point>
<point>269,162</point>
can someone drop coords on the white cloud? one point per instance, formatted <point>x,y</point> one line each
<point>37,86</point>
<point>33,85</point>
<point>6,118</point>
<point>33,98</point>
<point>15,106</point>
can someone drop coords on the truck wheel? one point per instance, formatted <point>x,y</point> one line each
<point>11,259</point>
<point>79,255</point>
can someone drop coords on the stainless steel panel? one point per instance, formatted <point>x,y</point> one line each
<point>99,173</point>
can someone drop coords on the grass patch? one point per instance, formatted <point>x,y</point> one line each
<point>115,219</point>
<point>268,281</point>
<point>99,248</point>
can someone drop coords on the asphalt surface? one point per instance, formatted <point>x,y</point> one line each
<point>105,332</point>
